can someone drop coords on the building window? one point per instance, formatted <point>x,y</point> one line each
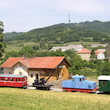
<point>10,73</point>
<point>31,75</point>
<point>20,73</point>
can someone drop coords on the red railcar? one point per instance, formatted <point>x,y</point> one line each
<point>10,80</point>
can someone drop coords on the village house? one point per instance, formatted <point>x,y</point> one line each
<point>76,47</point>
<point>85,54</point>
<point>100,54</point>
<point>97,45</point>
<point>69,47</point>
<point>59,48</point>
<point>37,67</point>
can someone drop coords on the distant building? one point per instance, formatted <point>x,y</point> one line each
<point>76,47</point>
<point>61,48</point>
<point>85,54</point>
<point>69,47</point>
<point>97,45</point>
<point>100,54</point>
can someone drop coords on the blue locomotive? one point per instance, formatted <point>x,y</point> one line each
<point>79,83</point>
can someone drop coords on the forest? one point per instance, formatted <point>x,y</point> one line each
<point>95,31</point>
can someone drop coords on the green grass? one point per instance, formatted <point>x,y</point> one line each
<point>21,99</point>
<point>85,43</point>
<point>16,45</point>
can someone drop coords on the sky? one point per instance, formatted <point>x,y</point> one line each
<point>25,15</point>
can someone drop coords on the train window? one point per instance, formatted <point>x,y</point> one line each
<point>104,83</point>
<point>17,79</point>
<point>2,79</point>
<point>31,75</point>
<point>11,79</point>
<point>82,79</point>
<point>6,79</point>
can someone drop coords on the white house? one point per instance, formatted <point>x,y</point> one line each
<point>69,47</point>
<point>100,56</point>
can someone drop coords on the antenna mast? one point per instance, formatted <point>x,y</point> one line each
<point>69,18</point>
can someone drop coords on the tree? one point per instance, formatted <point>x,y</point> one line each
<point>1,39</point>
<point>27,51</point>
<point>108,52</point>
<point>105,69</point>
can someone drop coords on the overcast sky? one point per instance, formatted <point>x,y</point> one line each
<point>25,15</point>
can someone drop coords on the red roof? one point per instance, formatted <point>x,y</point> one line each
<point>99,51</point>
<point>84,50</point>
<point>36,62</point>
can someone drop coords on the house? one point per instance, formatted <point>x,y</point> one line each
<point>61,48</point>
<point>97,45</point>
<point>69,47</point>
<point>85,54</point>
<point>76,47</point>
<point>100,54</point>
<point>37,67</point>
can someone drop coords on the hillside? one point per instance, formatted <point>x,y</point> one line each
<point>12,34</point>
<point>95,31</point>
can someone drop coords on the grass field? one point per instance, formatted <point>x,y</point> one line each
<point>16,45</point>
<point>22,99</point>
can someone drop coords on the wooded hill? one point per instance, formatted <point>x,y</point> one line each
<point>95,31</point>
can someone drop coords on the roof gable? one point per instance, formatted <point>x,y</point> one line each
<point>10,62</point>
<point>85,51</point>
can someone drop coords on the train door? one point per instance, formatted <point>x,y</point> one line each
<point>104,85</point>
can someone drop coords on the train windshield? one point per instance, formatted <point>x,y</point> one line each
<point>82,79</point>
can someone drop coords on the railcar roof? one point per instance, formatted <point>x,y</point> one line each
<point>11,75</point>
<point>104,77</point>
<point>78,76</point>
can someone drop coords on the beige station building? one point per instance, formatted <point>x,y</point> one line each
<point>37,67</point>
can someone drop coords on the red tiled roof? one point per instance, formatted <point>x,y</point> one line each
<point>99,51</point>
<point>84,50</point>
<point>11,62</point>
<point>37,62</point>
